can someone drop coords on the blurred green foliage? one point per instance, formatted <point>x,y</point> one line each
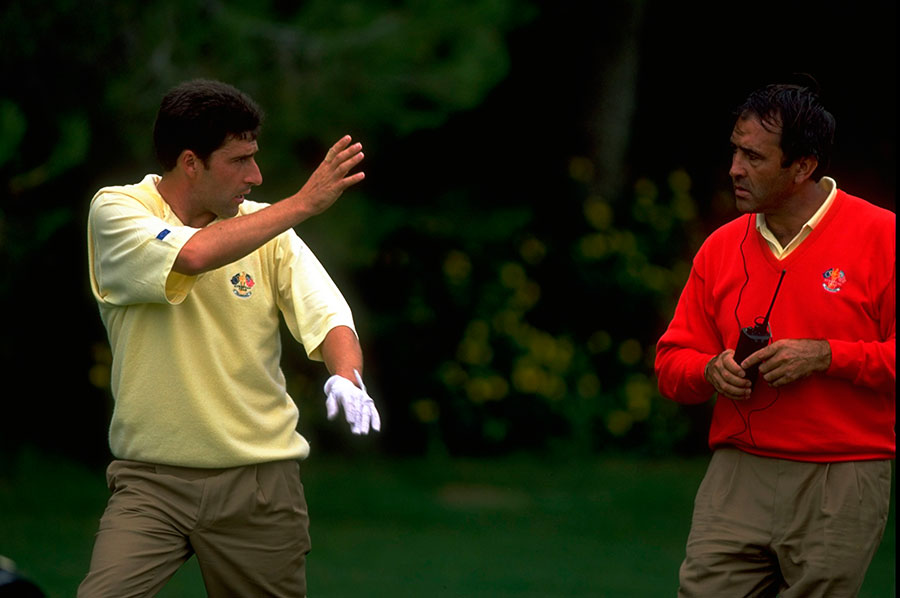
<point>490,326</point>
<point>539,342</point>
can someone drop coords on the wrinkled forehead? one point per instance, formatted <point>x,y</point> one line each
<point>235,145</point>
<point>752,134</point>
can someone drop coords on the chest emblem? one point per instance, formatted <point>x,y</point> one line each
<point>834,280</point>
<point>242,284</point>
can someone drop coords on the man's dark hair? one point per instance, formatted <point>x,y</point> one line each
<point>200,115</point>
<point>806,127</point>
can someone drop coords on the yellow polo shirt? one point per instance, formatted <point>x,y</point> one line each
<point>196,373</point>
<point>780,252</point>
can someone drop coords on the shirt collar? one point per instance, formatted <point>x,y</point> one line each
<point>826,183</point>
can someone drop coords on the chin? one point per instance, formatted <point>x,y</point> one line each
<point>744,207</point>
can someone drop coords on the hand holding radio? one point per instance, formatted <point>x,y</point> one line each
<point>789,360</point>
<point>727,377</point>
<point>756,337</point>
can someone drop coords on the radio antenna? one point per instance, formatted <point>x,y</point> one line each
<point>765,321</point>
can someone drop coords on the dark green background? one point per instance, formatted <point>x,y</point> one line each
<point>539,175</point>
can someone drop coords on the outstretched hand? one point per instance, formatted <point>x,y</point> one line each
<point>332,177</point>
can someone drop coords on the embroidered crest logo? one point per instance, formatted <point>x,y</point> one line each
<point>834,280</point>
<point>242,283</point>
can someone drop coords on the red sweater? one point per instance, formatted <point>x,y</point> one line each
<point>839,286</point>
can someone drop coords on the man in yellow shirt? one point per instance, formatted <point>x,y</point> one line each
<point>190,278</point>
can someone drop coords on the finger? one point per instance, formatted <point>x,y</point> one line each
<point>351,410</point>
<point>343,148</point>
<point>730,373</point>
<point>376,419</point>
<point>345,161</point>
<point>360,422</point>
<point>779,377</point>
<point>731,368</point>
<point>732,385</point>
<point>343,169</point>
<point>337,148</point>
<point>349,181</point>
<point>738,391</point>
<point>348,152</point>
<point>737,383</point>
<point>760,356</point>
<point>364,421</point>
<point>331,406</point>
<point>767,367</point>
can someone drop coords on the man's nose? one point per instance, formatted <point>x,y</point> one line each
<point>737,167</point>
<point>254,176</point>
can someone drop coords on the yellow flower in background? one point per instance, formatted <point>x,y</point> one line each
<point>425,410</point>
<point>619,422</point>
<point>598,213</point>
<point>630,351</point>
<point>533,250</point>
<point>581,169</point>
<point>457,267</point>
<point>638,396</point>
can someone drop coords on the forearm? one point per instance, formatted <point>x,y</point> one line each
<point>680,374</point>
<point>342,353</point>
<point>868,364</point>
<point>229,240</point>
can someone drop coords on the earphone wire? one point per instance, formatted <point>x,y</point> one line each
<point>746,272</point>
<point>746,421</point>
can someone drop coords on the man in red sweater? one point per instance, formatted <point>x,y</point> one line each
<point>796,496</point>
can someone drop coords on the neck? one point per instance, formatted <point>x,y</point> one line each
<point>175,191</point>
<point>797,210</point>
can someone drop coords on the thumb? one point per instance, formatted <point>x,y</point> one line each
<point>331,407</point>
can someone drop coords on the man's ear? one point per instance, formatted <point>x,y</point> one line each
<point>805,167</point>
<point>190,162</point>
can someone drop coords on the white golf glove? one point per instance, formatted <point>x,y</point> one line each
<point>359,408</point>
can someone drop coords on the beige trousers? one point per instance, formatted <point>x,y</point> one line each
<point>247,525</point>
<point>771,527</point>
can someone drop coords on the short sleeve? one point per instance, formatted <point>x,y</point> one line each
<point>132,251</point>
<point>311,303</point>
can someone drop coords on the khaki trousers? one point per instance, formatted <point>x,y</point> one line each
<point>247,525</point>
<point>767,527</point>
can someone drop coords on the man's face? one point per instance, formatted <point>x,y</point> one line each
<point>760,182</point>
<point>228,175</point>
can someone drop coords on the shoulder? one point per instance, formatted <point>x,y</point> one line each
<point>860,215</point>
<point>729,234</point>
<point>142,196</point>
<point>857,207</point>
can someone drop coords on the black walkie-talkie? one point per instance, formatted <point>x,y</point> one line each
<point>754,338</point>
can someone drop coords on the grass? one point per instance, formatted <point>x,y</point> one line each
<point>523,527</point>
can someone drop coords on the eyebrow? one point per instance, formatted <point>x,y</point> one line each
<point>244,155</point>
<point>744,148</point>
